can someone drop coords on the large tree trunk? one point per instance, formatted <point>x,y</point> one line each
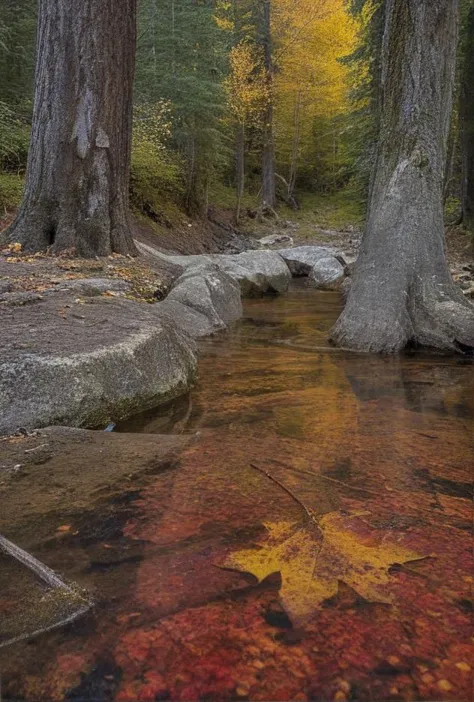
<point>76,194</point>
<point>402,292</point>
<point>466,117</point>
<point>268,150</point>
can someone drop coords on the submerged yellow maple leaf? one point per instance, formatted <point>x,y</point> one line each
<point>312,564</point>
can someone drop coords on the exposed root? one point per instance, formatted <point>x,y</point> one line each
<point>39,232</point>
<point>372,330</point>
<point>438,319</point>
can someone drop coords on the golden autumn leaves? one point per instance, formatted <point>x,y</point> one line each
<point>309,81</point>
<point>313,561</point>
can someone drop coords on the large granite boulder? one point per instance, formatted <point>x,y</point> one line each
<point>89,364</point>
<point>257,272</point>
<point>211,293</point>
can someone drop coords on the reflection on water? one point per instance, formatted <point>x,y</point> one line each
<point>313,543</point>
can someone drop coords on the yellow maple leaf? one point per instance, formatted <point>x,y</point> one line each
<point>312,564</point>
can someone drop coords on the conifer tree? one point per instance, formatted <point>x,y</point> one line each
<point>76,192</point>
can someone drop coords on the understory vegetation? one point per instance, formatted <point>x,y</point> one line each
<point>193,103</point>
<point>202,93</point>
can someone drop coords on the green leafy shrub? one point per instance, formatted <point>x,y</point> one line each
<point>154,181</point>
<point>156,176</point>
<point>452,208</point>
<point>11,190</point>
<point>14,140</point>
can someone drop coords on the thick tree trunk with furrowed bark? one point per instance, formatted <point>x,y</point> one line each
<point>402,291</point>
<point>466,117</point>
<point>76,194</point>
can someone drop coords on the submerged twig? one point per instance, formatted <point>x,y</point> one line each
<point>350,487</point>
<point>312,516</point>
<point>42,571</point>
<point>50,578</point>
<point>324,477</point>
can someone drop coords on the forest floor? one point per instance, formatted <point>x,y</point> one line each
<point>322,220</point>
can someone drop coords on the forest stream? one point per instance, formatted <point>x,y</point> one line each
<point>313,541</point>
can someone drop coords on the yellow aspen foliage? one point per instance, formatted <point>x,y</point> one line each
<point>245,85</point>
<point>310,82</point>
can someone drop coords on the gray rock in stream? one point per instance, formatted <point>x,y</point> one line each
<point>211,293</point>
<point>187,319</point>
<point>328,274</point>
<point>320,263</point>
<point>257,272</point>
<point>302,259</point>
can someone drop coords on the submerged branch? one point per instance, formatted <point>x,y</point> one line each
<point>312,516</point>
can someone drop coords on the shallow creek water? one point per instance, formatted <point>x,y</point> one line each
<point>313,542</point>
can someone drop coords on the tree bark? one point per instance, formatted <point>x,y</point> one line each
<point>402,291</point>
<point>295,146</point>
<point>450,162</point>
<point>239,168</point>
<point>268,150</point>
<point>76,193</point>
<point>467,127</point>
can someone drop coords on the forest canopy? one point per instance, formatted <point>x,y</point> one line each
<point>202,91</point>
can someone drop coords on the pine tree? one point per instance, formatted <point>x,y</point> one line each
<point>365,64</point>
<point>17,53</point>
<point>182,59</point>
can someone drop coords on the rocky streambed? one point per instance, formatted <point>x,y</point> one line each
<point>297,527</point>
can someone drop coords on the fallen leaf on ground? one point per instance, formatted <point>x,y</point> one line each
<point>64,528</point>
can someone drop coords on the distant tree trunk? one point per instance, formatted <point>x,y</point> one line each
<point>467,127</point>
<point>402,291</point>
<point>268,150</point>
<point>76,193</point>
<point>239,167</point>
<point>295,146</point>
<point>192,204</point>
